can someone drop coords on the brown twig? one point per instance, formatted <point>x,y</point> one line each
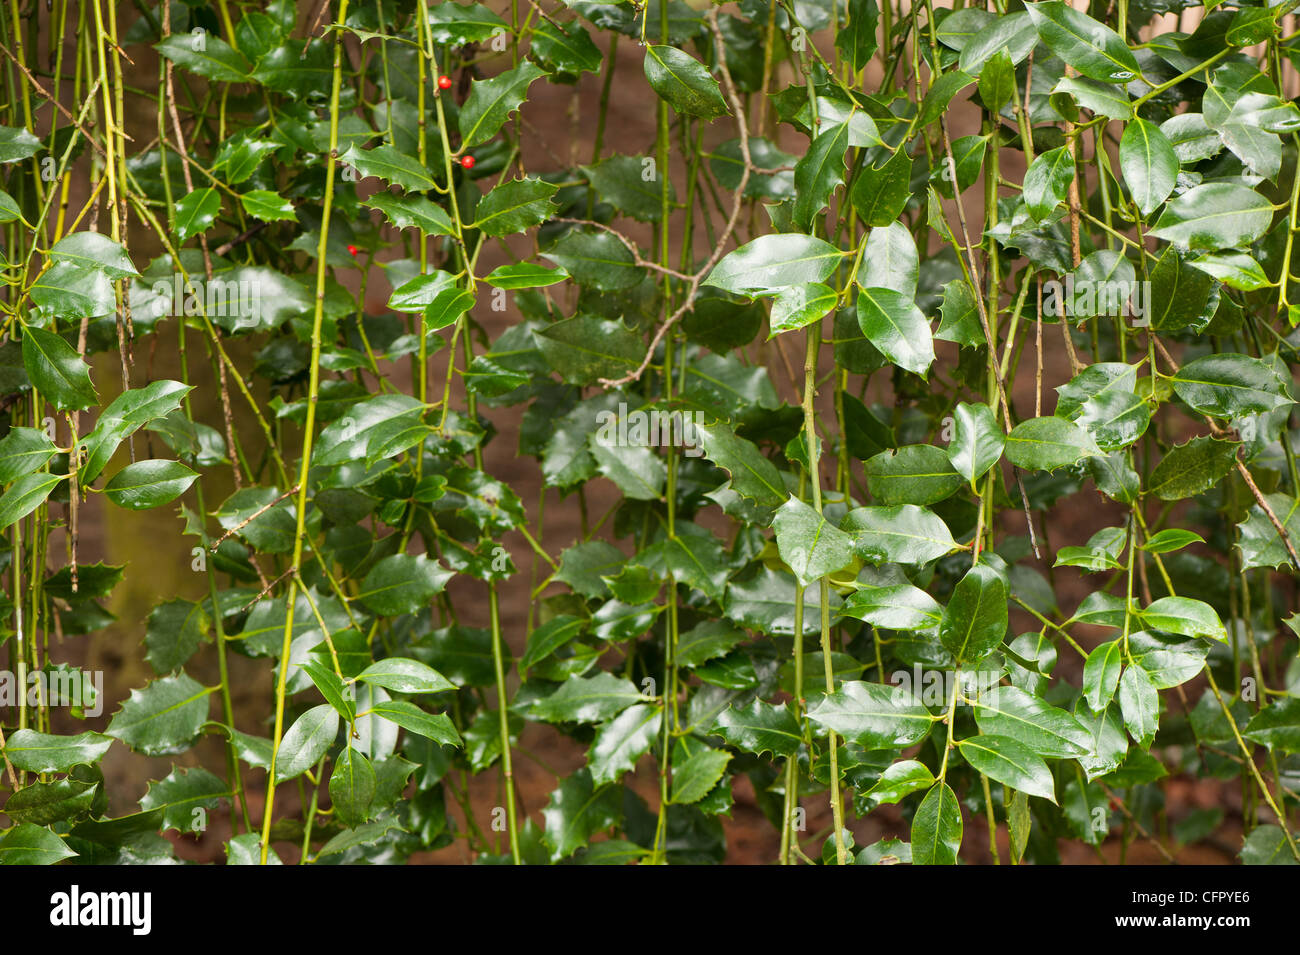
<point>630,245</point>
<point>267,589</point>
<point>207,256</point>
<point>314,22</point>
<point>1264,506</point>
<point>688,302</point>
<point>1038,352</point>
<point>252,517</point>
<point>243,237</point>
<point>975,275</point>
<point>1119,804</point>
<point>57,105</point>
<point>1004,401</point>
<point>13,779</point>
<point>1076,252</point>
<point>1242,470</point>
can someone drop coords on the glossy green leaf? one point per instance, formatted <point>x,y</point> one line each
<point>524,275</point>
<point>1045,729</point>
<point>17,144</point>
<point>405,676</point>
<point>1260,544</point>
<point>577,810</point>
<point>1101,674</point>
<point>406,212</point>
<point>22,451</point>
<point>28,844</point>
<point>164,717</point>
<point>1276,726</point>
<point>1231,385</point>
<point>306,741</point>
<point>1093,49</point>
<point>352,787</point>
<point>880,193</point>
<point>45,753</point>
<point>386,163</point>
<point>1047,181</point>
<point>901,779</point>
<point>892,322</point>
<point>1171,539</point>
<point>597,259</point>
<point>585,349</point>
<point>975,620</point>
<point>1011,763</point>
<point>490,102</point>
<point>939,96</point>
<point>904,534</point>
<point>773,262</point>
<point>95,251</point>
<point>60,800</point>
<point>1213,216</point>
<point>759,728</point>
<point>937,828</point>
<point>57,370</point>
<point>566,47</point>
<point>796,307</point>
<point>1140,704</point>
<point>810,545</point>
<point>207,55</point>
<point>587,700</point>
<point>894,607</point>
<point>977,440</point>
<point>1186,616</point>
<point>181,793</point>
<point>752,475</point>
<point>402,584</point>
<point>683,82</point>
<point>873,715</point>
<point>1149,164</point>
<point>819,173</point>
<point>693,779</point>
<point>515,206</point>
<point>1104,99</point>
<point>147,484</point>
<point>1191,468</point>
<point>267,205</point>
<point>856,40</point>
<point>25,495</point>
<point>1013,32</point>
<point>1046,444</point>
<point>196,212</point>
<point>913,474</point>
<point>622,741</point>
<point>435,726</point>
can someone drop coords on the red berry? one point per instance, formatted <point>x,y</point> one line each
<point>467,162</point>
<point>444,82</point>
<point>352,250</point>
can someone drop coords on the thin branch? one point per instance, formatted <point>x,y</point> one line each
<point>631,246</point>
<point>688,302</point>
<point>252,517</point>
<point>1264,506</point>
<point>57,105</point>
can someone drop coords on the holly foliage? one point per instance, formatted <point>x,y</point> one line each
<point>922,392</point>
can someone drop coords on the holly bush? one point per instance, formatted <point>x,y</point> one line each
<point>996,566</point>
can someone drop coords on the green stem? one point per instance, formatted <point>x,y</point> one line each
<point>309,427</point>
